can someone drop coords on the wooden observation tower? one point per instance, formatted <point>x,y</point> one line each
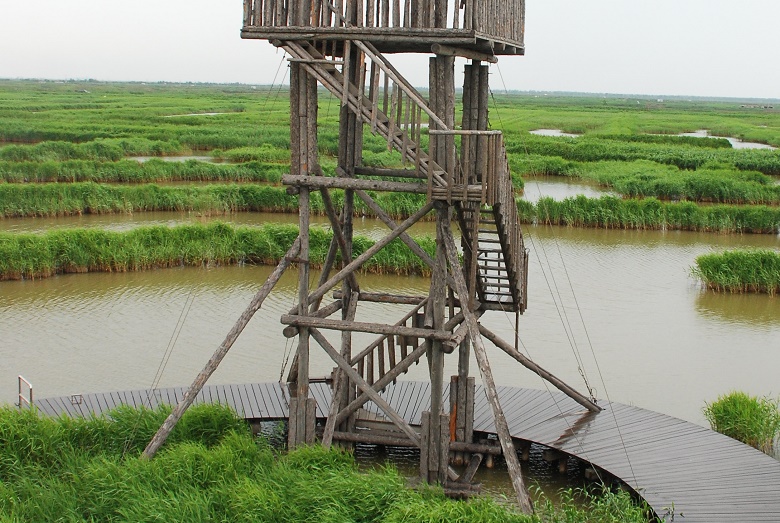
<point>343,45</point>
<point>463,171</point>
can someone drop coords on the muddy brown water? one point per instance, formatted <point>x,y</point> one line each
<point>660,341</point>
<point>646,332</point>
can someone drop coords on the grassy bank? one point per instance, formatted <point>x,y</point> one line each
<point>740,271</point>
<point>24,256</point>
<point>606,212</point>
<point>752,420</point>
<point>609,212</point>
<point>682,156</point>
<point>67,199</point>
<point>643,178</point>
<point>211,469</point>
<point>131,171</point>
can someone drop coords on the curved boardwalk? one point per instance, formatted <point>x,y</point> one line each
<point>703,475</point>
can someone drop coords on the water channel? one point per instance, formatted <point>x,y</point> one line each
<point>660,341</point>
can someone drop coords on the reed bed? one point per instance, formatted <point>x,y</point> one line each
<point>131,171</point>
<point>68,199</point>
<point>610,212</point>
<point>105,149</point>
<point>643,178</point>
<point>211,469</point>
<point>592,149</point>
<point>752,420</point>
<point>30,256</point>
<point>740,271</point>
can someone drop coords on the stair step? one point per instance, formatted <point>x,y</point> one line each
<point>487,250</point>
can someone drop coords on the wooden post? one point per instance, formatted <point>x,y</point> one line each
<point>502,429</point>
<point>174,417</point>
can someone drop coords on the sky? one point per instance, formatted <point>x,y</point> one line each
<point>659,47</point>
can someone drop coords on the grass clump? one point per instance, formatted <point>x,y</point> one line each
<point>752,420</point>
<point>610,212</point>
<point>740,271</point>
<point>27,256</point>
<point>211,469</point>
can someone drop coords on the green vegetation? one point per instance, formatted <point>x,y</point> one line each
<point>593,149</point>
<point>84,131</point>
<point>60,199</point>
<point>25,256</point>
<point>610,212</point>
<point>131,171</point>
<point>740,271</point>
<point>752,420</point>
<point>643,178</point>
<point>211,469</point>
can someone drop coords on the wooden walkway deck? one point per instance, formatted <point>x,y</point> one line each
<point>703,475</point>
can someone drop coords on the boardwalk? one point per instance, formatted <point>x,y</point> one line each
<point>705,476</point>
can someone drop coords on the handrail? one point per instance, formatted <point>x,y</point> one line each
<point>28,401</point>
<point>504,19</point>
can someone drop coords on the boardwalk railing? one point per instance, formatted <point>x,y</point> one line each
<point>503,19</point>
<point>25,396</point>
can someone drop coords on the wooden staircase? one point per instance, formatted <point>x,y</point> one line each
<point>476,179</point>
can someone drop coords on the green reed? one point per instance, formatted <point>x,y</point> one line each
<point>26,256</point>
<point>740,271</point>
<point>211,469</point>
<point>752,420</point>
<point>610,212</point>
<point>131,171</point>
<point>66,199</point>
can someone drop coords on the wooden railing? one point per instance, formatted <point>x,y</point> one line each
<point>504,19</point>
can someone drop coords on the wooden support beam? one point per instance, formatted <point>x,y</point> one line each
<point>371,251</point>
<point>446,50</point>
<point>536,369</point>
<point>365,387</point>
<point>173,418</point>
<point>390,173</point>
<point>319,182</point>
<point>339,386</point>
<point>291,332</point>
<point>359,326</point>
<point>396,371</point>
<point>502,429</point>
<point>381,297</point>
<point>362,354</point>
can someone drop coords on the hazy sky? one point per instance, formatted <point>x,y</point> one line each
<point>661,47</point>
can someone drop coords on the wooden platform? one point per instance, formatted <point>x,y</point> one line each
<point>703,475</point>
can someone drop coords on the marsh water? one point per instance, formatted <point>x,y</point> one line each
<point>623,302</point>
<point>627,299</point>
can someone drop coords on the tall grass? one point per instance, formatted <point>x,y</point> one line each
<point>752,420</point>
<point>211,469</point>
<point>610,212</point>
<point>740,271</point>
<point>589,149</point>
<point>130,171</point>
<point>24,256</point>
<point>65,199</point>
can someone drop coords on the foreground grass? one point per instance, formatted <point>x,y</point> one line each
<point>752,420</point>
<point>740,271</point>
<point>211,469</point>
<point>24,256</point>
